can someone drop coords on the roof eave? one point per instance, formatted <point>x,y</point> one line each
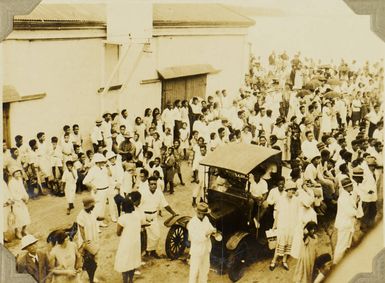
<point>167,24</point>
<point>51,24</point>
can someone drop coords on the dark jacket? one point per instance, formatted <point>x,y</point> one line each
<point>39,270</point>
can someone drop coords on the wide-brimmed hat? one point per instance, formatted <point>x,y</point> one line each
<point>290,185</point>
<point>358,172</point>
<point>98,121</point>
<point>202,207</point>
<point>110,155</point>
<point>88,202</point>
<point>371,161</point>
<point>99,158</point>
<point>27,241</point>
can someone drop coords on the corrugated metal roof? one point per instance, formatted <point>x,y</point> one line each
<point>238,157</point>
<point>183,14</point>
<point>187,14</point>
<point>186,70</point>
<point>66,13</point>
<point>10,94</point>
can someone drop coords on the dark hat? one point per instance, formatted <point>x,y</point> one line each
<point>88,202</point>
<point>346,182</point>
<point>106,113</point>
<point>358,172</point>
<point>321,146</point>
<point>279,120</point>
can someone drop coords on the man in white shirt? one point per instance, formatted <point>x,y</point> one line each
<point>374,116</point>
<point>199,230</point>
<point>168,117</point>
<point>116,180</point>
<point>368,194</point>
<point>106,130</point>
<point>96,135</point>
<point>276,193</point>
<point>98,179</point>
<point>88,236</point>
<point>152,202</point>
<point>309,146</point>
<point>124,120</point>
<point>347,213</point>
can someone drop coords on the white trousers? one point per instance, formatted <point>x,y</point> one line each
<point>199,268</point>
<point>100,202</point>
<point>344,240</point>
<point>153,232</point>
<point>113,210</point>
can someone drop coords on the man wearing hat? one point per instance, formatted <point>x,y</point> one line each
<point>127,146</point>
<point>347,212</point>
<point>33,261</point>
<point>88,237</point>
<point>368,193</point>
<point>96,135</point>
<point>98,180</point>
<point>199,230</point>
<point>116,180</point>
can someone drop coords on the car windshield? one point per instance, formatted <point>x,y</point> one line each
<point>226,181</point>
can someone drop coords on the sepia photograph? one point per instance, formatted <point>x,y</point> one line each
<point>191,141</point>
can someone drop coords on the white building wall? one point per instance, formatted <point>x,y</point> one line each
<point>71,70</point>
<point>68,71</point>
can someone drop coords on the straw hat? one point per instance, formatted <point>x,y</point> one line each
<point>27,241</point>
<point>203,208</point>
<point>99,158</point>
<point>358,172</point>
<point>290,185</point>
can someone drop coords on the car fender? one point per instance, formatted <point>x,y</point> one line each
<point>177,219</point>
<point>234,240</point>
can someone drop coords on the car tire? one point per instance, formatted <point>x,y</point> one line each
<point>237,261</point>
<point>176,241</point>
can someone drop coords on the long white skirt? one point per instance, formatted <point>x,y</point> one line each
<point>22,217</point>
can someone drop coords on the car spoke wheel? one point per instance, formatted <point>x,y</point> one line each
<point>176,241</point>
<point>237,261</point>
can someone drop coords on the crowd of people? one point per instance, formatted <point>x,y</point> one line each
<point>326,120</point>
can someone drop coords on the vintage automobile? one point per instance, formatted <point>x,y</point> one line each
<point>227,192</point>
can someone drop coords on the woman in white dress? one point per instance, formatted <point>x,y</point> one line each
<point>20,197</point>
<point>6,202</point>
<point>306,214</point>
<point>69,179</point>
<point>287,212</point>
<point>128,255</point>
<point>326,120</point>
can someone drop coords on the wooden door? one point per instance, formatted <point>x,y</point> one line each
<point>196,86</point>
<point>183,88</point>
<point>6,129</point>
